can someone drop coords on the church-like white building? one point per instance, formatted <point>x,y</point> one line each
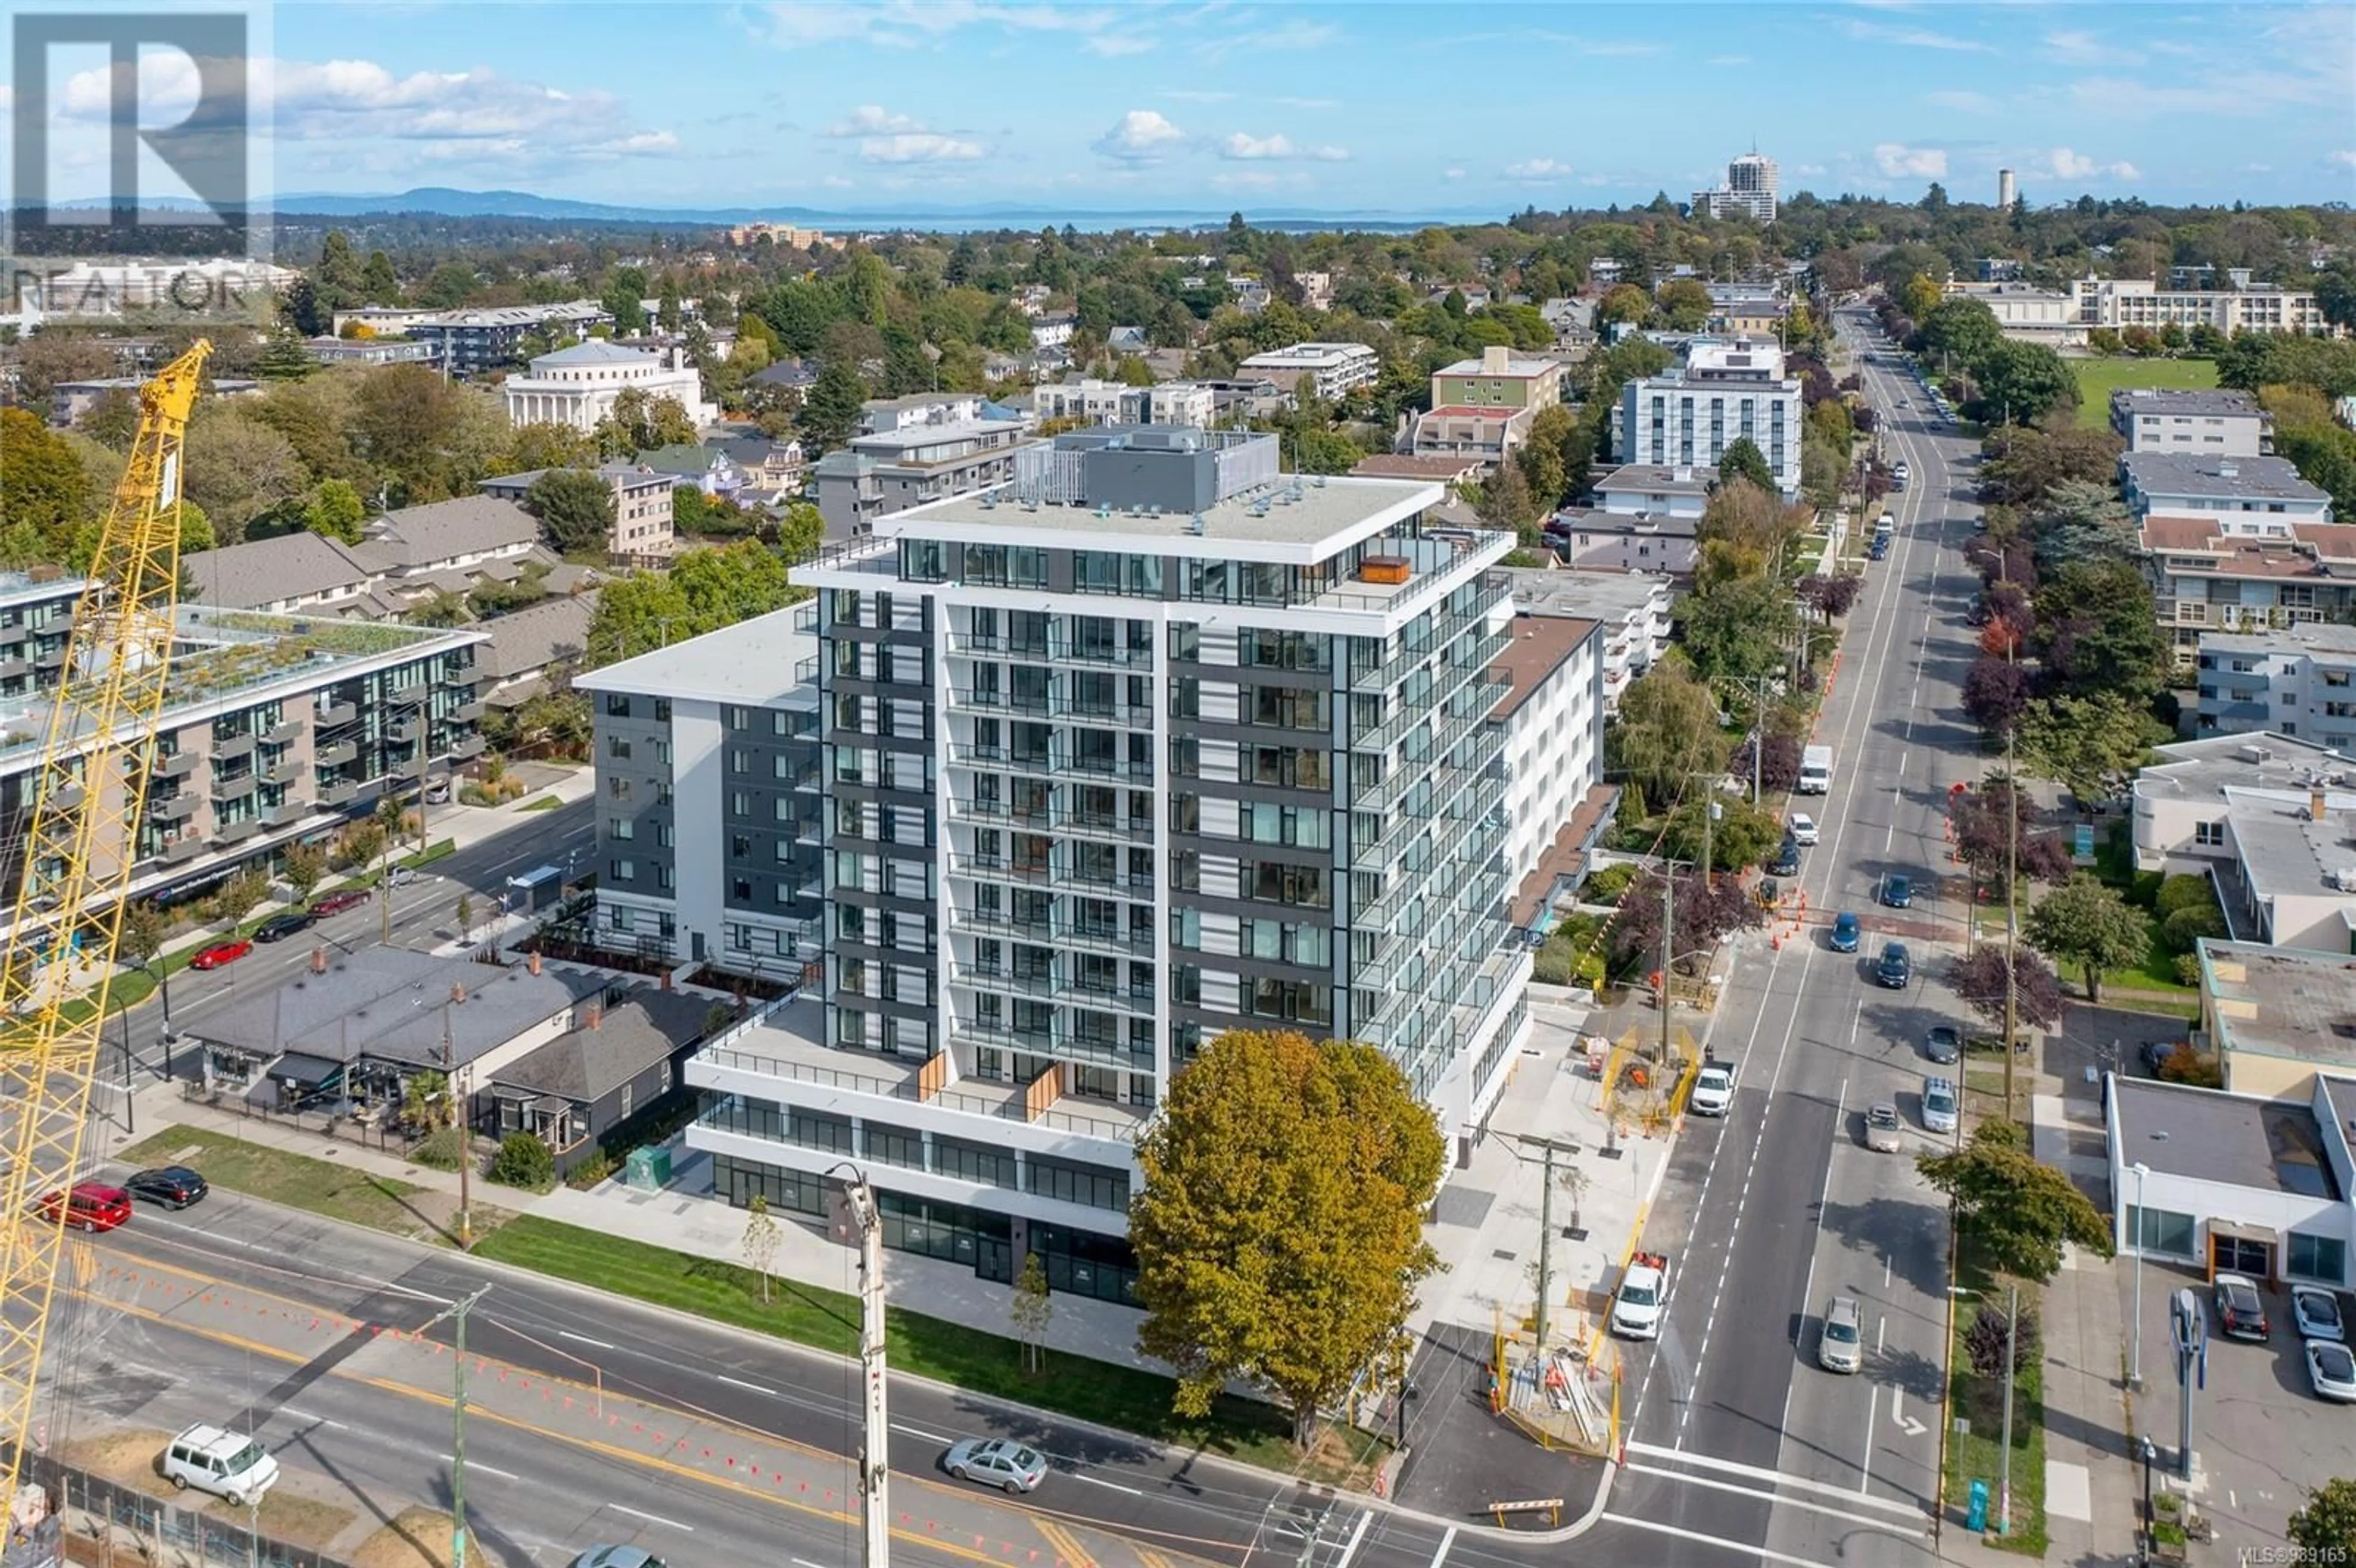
<point>577,386</point>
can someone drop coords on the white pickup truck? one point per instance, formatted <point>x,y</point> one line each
<point>1644,1292</point>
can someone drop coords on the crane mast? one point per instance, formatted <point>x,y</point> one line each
<point>81,842</point>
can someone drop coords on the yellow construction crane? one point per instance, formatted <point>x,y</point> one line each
<point>82,840</point>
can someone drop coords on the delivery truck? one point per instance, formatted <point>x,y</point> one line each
<point>1815,770</point>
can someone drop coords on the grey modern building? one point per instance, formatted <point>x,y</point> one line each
<point>708,825</point>
<point>914,450</point>
<point>1150,743</point>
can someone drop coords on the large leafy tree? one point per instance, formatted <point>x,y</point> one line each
<point>1666,732</point>
<point>831,409</point>
<point>1986,842</point>
<point>2022,382</point>
<point>239,468</point>
<point>2325,1525</point>
<point>1743,460</point>
<point>335,511</point>
<point>2016,1212</point>
<point>2024,463</point>
<point>2091,745</point>
<point>1740,630</point>
<point>1978,979</point>
<point>1280,1229</point>
<point>2078,519</point>
<point>1964,328</point>
<point>2084,921</point>
<point>2096,631</point>
<point>1704,915</point>
<point>575,506</point>
<point>44,492</point>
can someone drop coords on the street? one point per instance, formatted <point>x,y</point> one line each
<point>1737,1440</point>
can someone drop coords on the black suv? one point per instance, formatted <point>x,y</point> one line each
<point>277,928</point>
<point>1787,859</point>
<point>172,1185</point>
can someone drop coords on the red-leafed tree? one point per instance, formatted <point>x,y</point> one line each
<point>1979,979</point>
<point>1705,916</point>
<point>1995,694</point>
<point>1978,817</point>
<point>1830,597</point>
<point>1779,768</point>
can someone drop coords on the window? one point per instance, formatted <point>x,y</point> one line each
<point>973,1162</point>
<point>2320,1258</point>
<point>2209,833</point>
<point>1073,1182</point>
<point>624,870</point>
<point>621,827</point>
<point>617,748</point>
<point>2157,1231</point>
<point>616,705</point>
<point>895,1146</point>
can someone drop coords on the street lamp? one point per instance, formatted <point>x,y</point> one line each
<point>2012,1365</point>
<point>2135,1364</point>
<point>130,1121</point>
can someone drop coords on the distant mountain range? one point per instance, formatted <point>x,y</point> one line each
<point>445,202</point>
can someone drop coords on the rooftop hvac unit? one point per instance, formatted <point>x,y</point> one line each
<point>2254,754</point>
<point>1197,525</point>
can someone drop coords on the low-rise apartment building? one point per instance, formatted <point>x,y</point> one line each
<point>403,558</point>
<point>2267,490</point>
<point>1335,369</point>
<point>36,611</point>
<point>1116,402</point>
<point>2214,423</point>
<point>1633,607</point>
<point>915,449</point>
<point>274,728</point>
<point>710,812</point>
<point>1151,743</point>
<point>2245,572</point>
<point>471,342</point>
<point>1725,391</point>
<point>2297,682</point>
<point>1481,408</point>
<point>1553,716</point>
<point>69,400</point>
<point>643,532</point>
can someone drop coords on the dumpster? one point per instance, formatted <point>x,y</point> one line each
<point>648,1169</point>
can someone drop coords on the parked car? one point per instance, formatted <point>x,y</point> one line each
<point>220,953</point>
<point>338,902</point>
<point>1713,1090</point>
<point>994,1461</point>
<point>1896,969</point>
<point>1841,1347</point>
<point>2316,1312</point>
<point>1941,1105</point>
<point>1943,1044</point>
<point>617,1557</point>
<point>279,927</point>
<point>1898,890</point>
<point>2332,1370</point>
<point>226,1463</point>
<point>172,1185</point>
<point>1802,828</point>
<point>1787,859</point>
<point>2155,1052</point>
<point>403,875</point>
<point>89,1206</point>
<point>2241,1310</point>
<point>1884,1133</point>
<point>1846,932</point>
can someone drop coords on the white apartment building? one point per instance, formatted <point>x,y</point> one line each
<point>1116,402</point>
<point>2208,423</point>
<point>2294,682</point>
<point>2121,302</point>
<point>577,386</point>
<point>1749,191</point>
<point>1335,369</point>
<point>1553,716</point>
<point>2245,573</point>
<point>708,797</point>
<point>1633,608</point>
<point>1727,389</point>
<point>1151,743</point>
<point>2264,491</point>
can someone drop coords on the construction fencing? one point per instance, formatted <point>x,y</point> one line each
<point>107,1523</point>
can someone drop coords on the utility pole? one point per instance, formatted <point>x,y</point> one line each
<point>876,1442</point>
<point>456,1312</point>
<point>458,1124</point>
<point>2003,1465</point>
<point>1668,944</point>
<point>1548,1149</point>
<point>2011,897</point>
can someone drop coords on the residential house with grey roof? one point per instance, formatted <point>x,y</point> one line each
<point>301,570</point>
<point>624,1061</point>
<point>524,643</point>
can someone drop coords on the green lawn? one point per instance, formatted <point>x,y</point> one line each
<point>319,1186</point>
<point>545,803</point>
<point>970,1358</point>
<point>1977,1454</point>
<point>2098,379</point>
<point>2155,972</point>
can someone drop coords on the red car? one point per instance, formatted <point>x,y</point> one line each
<point>89,1206</point>
<point>220,953</point>
<point>337,903</point>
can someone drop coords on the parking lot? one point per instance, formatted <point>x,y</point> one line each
<point>2260,1437</point>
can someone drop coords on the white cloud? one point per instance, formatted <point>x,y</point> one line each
<point>836,182</point>
<point>1452,173</point>
<point>1196,95</point>
<point>1897,161</point>
<point>1112,46</point>
<point>2061,163</point>
<point>903,24</point>
<point>2346,158</point>
<point>1140,137</point>
<point>1308,103</point>
<point>1292,35</point>
<point>872,120</point>
<point>1807,168</point>
<point>1911,37</point>
<point>2078,47</point>
<point>1968,102</point>
<point>1247,148</point>
<point>1538,170</point>
<point>1728,59</point>
<point>918,148</point>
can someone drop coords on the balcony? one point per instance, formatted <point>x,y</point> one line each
<point>234,789</point>
<point>177,764</point>
<point>288,810</point>
<point>51,658</point>
<point>172,808</point>
<point>235,832</point>
<point>467,746</point>
<point>409,694</point>
<point>339,792</point>
<point>336,756</point>
<point>286,770</point>
<point>328,715</point>
<point>229,751</point>
<point>469,712</point>
<point>405,732</point>
<point>187,846</point>
<point>285,733</point>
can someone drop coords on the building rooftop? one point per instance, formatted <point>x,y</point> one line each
<point>2208,1134</point>
<point>2290,1002</point>
<point>636,1029</point>
<point>526,641</point>
<point>1304,353</point>
<point>2203,770</point>
<point>44,583</point>
<point>1516,366</point>
<point>770,661</point>
<point>2284,854</point>
<point>2232,478</point>
<point>2211,402</point>
<point>299,565</point>
<point>1610,596</point>
<point>594,351</point>
<point>1541,645</point>
<point>510,486</point>
<point>1648,479</point>
<point>1402,465</point>
<point>425,536</point>
<point>887,444</point>
<point>2314,638</point>
<point>393,1004</point>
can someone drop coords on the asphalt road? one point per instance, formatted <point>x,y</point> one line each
<point>1140,1505</point>
<point>425,914</point>
<point>1738,1442</point>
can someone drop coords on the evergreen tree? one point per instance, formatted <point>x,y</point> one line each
<point>831,409</point>
<point>286,359</point>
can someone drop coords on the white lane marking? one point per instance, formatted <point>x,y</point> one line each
<point>1776,1478</point>
<point>1356,1536</point>
<point>749,1388</point>
<point>1865,1469</point>
<point>1888,1260</point>
<point>1892,1526</point>
<point>1899,1418</point>
<point>477,1467</point>
<point>650,1518</point>
<point>801,1562</point>
<point>1880,1327</point>
<point>1445,1543</point>
<point>584,1339</point>
<point>1108,1486</point>
<point>1741,1548</point>
<point>919,1432</point>
<point>1902,764</point>
<point>313,1419</point>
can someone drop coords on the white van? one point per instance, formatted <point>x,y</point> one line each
<point>213,1459</point>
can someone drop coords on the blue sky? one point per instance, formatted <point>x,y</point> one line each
<point>1409,107</point>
